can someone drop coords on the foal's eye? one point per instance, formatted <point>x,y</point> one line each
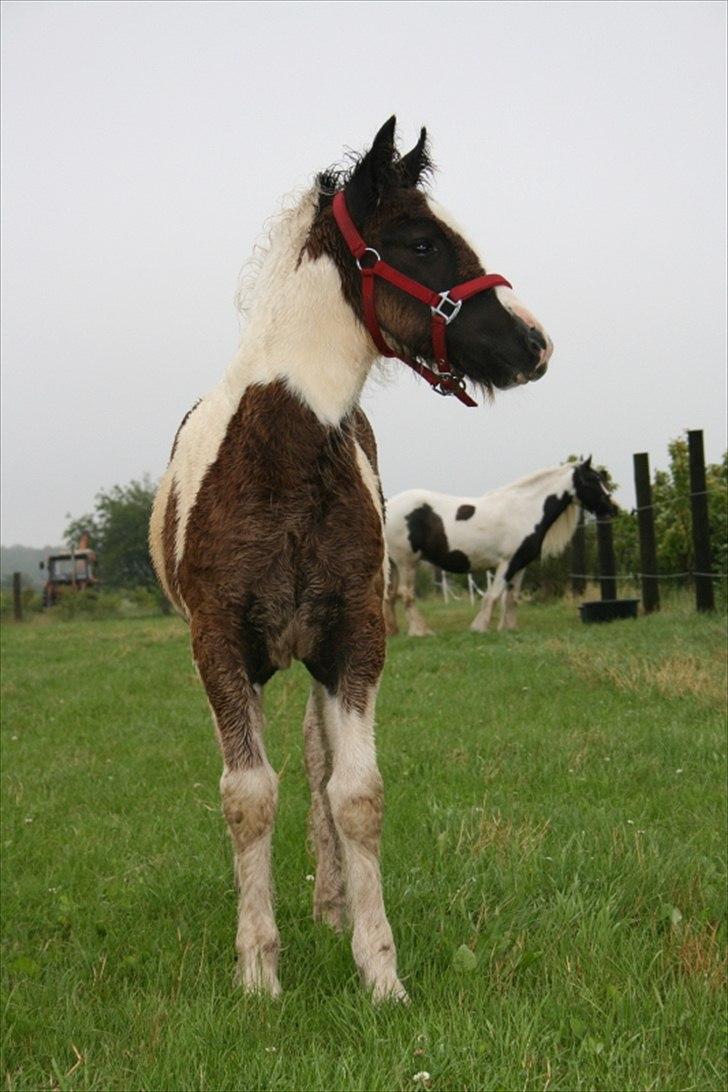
<point>423,246</point>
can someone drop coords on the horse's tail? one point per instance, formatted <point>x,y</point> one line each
<point>390,599</point>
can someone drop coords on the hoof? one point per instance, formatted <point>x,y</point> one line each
<point>390,991</point>
<point>420,631</point>
<point>479,627</point>
<point>256,981</point>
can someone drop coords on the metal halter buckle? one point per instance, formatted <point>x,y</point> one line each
<point>456,384</point>
<point>369,250</point>
<point>446,302</point>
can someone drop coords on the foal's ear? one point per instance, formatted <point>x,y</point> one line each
<point>417,162</point>
<point>367,182</point>
<point>587,463</point>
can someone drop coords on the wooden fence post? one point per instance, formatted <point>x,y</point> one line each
<point>607,564</point>
<point>17,599</point>
<point>578,557</point>
<point>646,522</point>
<point>704,599</point>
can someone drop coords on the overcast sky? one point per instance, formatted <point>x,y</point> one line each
<point>582,145</point>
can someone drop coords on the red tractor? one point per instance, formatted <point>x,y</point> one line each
<point>74,570</point>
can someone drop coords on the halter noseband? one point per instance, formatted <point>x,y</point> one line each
<point>444,306</point>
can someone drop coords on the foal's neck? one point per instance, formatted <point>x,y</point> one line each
<point>300,328</point>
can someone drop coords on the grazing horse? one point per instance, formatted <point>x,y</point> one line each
<point>507,529</point>
<point>267,530</point>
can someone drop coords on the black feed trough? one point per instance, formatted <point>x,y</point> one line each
<point>606,610</point>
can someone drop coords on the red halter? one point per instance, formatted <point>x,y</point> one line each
<point>444,306</point>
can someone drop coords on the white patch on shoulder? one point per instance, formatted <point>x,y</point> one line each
<point>371,484</point>
<point>197,447</point>
<point>156,530</point>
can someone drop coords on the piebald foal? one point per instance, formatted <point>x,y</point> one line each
<point>267,530</point>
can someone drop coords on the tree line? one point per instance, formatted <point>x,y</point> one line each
<point>119,522</point>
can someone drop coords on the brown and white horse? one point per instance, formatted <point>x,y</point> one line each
<point>267,530</point>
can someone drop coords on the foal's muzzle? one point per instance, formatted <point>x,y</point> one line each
<point>539,348</point>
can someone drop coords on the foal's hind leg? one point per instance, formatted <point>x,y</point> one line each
<point>329,894</point>
<point>355,795</point>
<point>249,790</point>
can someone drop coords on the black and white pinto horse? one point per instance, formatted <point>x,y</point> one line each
<point>506,529</point>
<point>267,531</point>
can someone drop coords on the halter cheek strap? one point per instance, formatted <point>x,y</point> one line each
<point>444,306</point>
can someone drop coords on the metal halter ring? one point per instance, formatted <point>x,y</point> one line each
<point>456,381</point>
<point>445,301</point>
<point>369,250</point>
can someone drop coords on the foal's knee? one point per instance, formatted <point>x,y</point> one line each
<point>357,810</point>
<point>249,800</point>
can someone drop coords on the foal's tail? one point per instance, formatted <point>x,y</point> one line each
<point>390,599</point>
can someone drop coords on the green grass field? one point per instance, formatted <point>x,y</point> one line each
<point>553,866</point>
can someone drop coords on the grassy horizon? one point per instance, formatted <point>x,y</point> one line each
<point>553,861</point>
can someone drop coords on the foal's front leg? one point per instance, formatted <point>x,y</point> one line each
<point>249,791</point>
<point>329,895</point>
<point>356,798</point>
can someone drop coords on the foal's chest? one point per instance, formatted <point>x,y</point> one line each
<point>288,504</point>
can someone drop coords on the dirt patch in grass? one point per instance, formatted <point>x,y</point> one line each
<point>490,832</point>
<point>699,953</point>
<point>677,675</point>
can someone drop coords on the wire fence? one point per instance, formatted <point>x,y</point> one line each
<point>635,576</point>
<point>625,537</point>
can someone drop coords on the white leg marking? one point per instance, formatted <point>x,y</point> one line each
<point>355,795</point>
<point>249,798</point>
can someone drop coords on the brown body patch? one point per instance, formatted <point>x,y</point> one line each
<point>465,511</point>
<point>283,559</point>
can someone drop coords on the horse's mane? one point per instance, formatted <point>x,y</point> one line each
<point>324,185</point>
<point>561,532</point>
<point>335,177</point>
<point>290,205</point>
<point>562,529</point>
<point>535,476</point>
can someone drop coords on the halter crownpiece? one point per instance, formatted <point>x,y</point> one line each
<point>444,306</point>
